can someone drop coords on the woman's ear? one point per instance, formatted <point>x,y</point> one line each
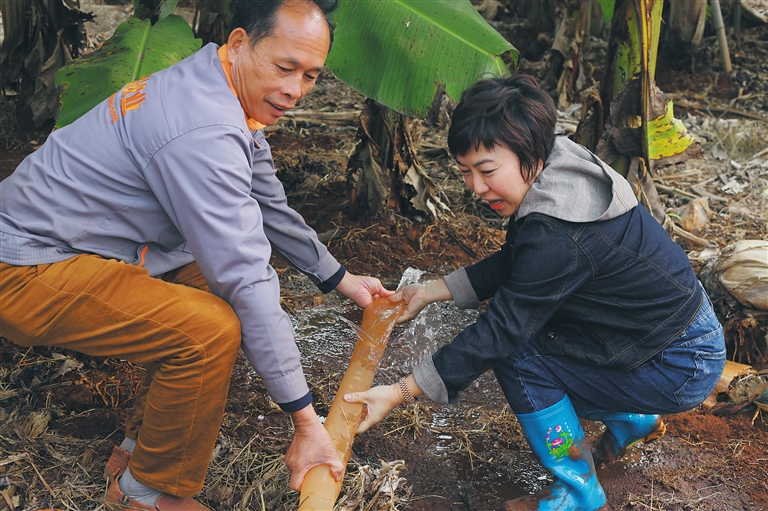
<point>539,168</point>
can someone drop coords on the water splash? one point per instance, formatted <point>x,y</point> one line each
<point>351,324</point>
<point>437,324</point>
<point>410,276</point>
<point>308,324</point>
<point>328,335</point>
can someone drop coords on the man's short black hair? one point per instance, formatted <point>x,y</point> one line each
<point>512,112</point>
<point>258,17</point>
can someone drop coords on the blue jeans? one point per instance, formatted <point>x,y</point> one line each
<point>678,378</point>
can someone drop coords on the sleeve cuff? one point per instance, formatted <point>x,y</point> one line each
<point>461,289</point>
<point>429,381</point>
<point>330,284</point>
<point>295,406</point>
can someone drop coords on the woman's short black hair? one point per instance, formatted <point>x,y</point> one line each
<point>258,17</point>
<point>512,112</point>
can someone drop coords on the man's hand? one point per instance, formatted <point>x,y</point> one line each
<point>311,446</point>
<point>363,290</point>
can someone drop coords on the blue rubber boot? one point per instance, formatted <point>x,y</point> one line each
<point>557,439</point>
<point>622,431</point>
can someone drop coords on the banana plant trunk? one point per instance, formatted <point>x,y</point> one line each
<point>211,22</point>
<point>40,37</point>
<point>565,68</point>
<point>685,28</point>
<point>385,176</point>
<point>640,132</point>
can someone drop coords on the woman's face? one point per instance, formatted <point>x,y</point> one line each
<point>494,174</point>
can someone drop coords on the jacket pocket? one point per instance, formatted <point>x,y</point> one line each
<point>700,363</point>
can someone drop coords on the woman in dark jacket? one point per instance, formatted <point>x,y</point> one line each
<point>596,312</point>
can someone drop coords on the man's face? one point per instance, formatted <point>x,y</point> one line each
<point>278,70</point>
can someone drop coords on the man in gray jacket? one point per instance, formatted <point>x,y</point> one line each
<point>144,231</point>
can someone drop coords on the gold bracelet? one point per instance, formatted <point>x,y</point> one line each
<point>407,397</point>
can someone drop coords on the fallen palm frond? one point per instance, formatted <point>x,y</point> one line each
<point>750,388</point>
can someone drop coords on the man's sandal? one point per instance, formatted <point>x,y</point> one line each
<point>115,500</point>
<point>117,464</point>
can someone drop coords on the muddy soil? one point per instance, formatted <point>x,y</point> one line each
<point>61,413</point>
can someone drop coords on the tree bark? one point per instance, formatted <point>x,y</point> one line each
<point>385,176</point>
<point>40,37</point>
<point>212,21</point>
<point>686,21</point>
<point>683,32</point>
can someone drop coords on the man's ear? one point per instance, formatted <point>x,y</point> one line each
<point>237,38</point>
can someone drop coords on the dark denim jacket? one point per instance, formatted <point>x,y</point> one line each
<point>611,293</point>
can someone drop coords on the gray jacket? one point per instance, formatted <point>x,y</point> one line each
<point>163,173</point>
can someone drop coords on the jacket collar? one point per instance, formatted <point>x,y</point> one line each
<point>576,186</point>
<point>253,124</point>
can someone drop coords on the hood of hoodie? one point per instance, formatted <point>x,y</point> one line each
<point>576,186</point>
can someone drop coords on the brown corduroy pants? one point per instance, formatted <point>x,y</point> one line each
<point>187,338</point>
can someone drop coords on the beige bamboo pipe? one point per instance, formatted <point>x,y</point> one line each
<point>319,489</point>
<point>722,40</point>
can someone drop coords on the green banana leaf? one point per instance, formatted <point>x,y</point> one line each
<point>403,53</point>
<point>607,7</point>
<point>136,49</point>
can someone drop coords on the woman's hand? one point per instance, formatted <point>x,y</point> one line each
<point>378,401</point>
<point>311,446</point>
<point>362,289</point>
<point>418,296</point>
